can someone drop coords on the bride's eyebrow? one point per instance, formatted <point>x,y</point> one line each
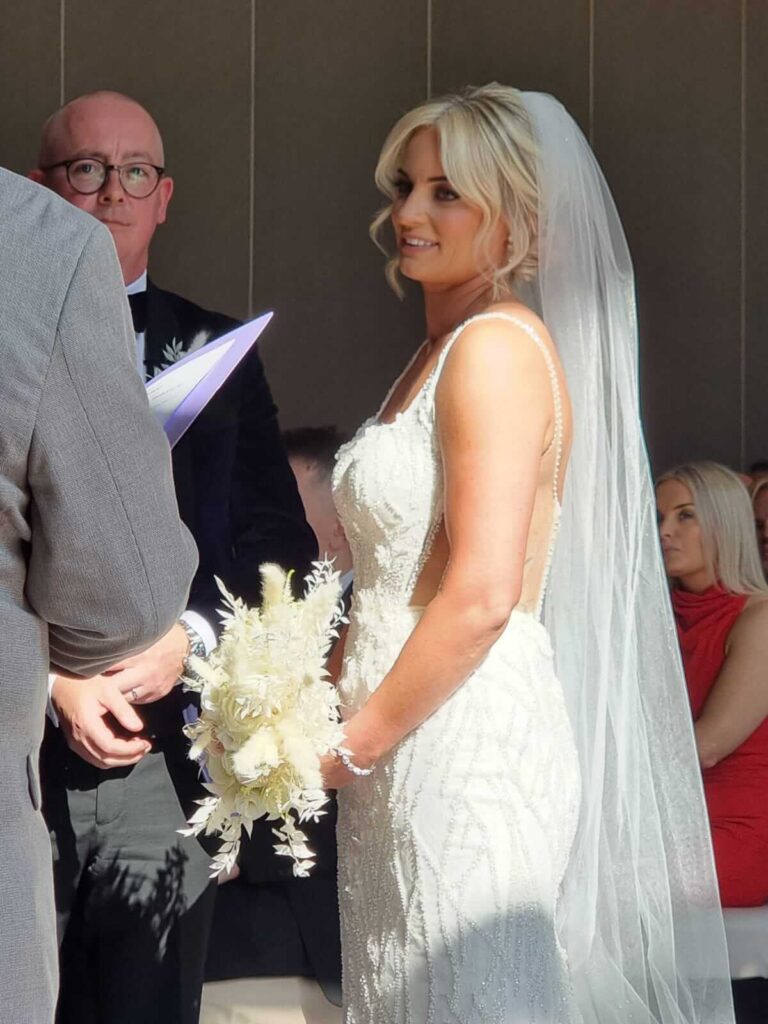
<point>440,177</point>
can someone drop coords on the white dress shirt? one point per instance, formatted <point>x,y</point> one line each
<point>136,288</point>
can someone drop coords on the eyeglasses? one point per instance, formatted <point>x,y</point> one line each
<point>87,175</point>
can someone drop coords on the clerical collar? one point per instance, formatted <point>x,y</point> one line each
<point>139,285</point>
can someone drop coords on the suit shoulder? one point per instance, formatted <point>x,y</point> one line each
<point>193,318</point>
<point>44,238</point>
<point>25,205</point>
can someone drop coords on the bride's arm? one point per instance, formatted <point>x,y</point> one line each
<point>494,410</point>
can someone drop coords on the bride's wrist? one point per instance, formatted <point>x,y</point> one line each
<point>362,745</point>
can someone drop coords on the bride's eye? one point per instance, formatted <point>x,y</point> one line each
<point>446,194</point>
<point>402,187</point>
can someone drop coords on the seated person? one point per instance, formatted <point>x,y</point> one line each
<point>758,471</point>
<point>759,494</point>
<point>268,923</point>
<point>720,601</point>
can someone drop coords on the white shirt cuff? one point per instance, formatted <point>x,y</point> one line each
<point>196,621</point>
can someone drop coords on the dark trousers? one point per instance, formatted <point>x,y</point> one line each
<point>750,1000</point>
<point>133,898</point>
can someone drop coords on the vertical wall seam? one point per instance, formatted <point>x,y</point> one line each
<point>591,74</point>
<point>429,48</point>
<point>743,239</point>
<point>62,39</point>
<point>252,163</point>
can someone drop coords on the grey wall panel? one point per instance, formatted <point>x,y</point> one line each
<point>667,132</point>
<point>29,78</point>
<point>756,238</point>
<point>331,78</point>
<point>542,46</point>
<point>191,68</point>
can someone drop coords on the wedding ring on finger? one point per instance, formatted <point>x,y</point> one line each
<point>134,695</point>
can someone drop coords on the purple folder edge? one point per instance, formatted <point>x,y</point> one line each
<point>243,339</point>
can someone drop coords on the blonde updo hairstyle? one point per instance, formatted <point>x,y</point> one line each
<point>488,153</point>
<point>724,510</point>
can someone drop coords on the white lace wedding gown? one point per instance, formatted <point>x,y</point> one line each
<point>452,852</point>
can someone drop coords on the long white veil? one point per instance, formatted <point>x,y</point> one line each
<point>639,912</point>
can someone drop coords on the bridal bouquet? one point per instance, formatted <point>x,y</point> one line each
<point>268,714</point>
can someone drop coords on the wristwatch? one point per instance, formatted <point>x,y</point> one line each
<point>196,648</point>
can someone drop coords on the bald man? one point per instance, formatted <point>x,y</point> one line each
<point>134,900</point>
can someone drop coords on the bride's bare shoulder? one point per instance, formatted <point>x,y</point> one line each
<point>525,315</point>
<point>494,325</point>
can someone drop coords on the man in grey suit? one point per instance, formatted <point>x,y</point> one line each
<point>94,562</point>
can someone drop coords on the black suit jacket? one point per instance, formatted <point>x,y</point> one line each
<point>236,491</point>
<point>235,488</point>
<point>238,496</point>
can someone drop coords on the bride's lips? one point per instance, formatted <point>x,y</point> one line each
<point>414,244</point>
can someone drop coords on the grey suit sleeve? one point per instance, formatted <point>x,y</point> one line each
<point>110,562</point>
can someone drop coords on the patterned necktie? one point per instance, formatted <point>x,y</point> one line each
<point>138,304</point>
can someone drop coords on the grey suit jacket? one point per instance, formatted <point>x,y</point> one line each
<point>94,562</point>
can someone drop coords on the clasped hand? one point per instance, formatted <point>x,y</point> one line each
<point>83,705</point>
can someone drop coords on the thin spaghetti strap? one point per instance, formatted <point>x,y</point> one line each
<point>553,379</point>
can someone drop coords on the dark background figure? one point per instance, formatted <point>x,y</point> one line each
<point>268,923</point>
<point>759,494</point>
<point>134,899</point>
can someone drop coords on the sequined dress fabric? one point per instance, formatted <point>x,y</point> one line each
<point>452,852</point>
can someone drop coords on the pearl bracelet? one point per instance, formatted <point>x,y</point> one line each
<point>355,769</point>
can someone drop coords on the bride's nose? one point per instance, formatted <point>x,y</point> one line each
<point>412,210</point>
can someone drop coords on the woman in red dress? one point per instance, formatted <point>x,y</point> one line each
<point>720,600</point>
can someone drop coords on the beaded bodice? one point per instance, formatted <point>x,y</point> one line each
<point>389,492</point>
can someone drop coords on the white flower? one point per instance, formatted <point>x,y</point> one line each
<point>176,350</point>
<point>268,714</point>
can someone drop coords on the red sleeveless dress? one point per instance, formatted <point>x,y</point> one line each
<point>736,789</point>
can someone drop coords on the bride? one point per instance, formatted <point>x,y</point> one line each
<point>522,833</point>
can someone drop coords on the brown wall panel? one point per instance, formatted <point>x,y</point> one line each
<point>29,78</point>
<point>331,78</point>
<point>543,46</point>
<point>667,132</point>
<point>756,149</point>
<point>328,81</point>
<point>191,69</point>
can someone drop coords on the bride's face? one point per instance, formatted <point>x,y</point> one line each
<point>435,228</point>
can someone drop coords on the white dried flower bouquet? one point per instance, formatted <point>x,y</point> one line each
<point>267,715</point>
